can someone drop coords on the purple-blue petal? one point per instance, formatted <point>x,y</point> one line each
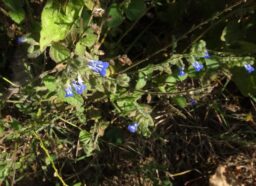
<point>133,127</point>
<point>79,87</point>
<point>193,102</point>
<point>98,66</point>
<point>21,39</point>
<point>181,73</point>
<point>206,55</point>
<point>69,92</point>
<point>249,68</point>
<point>197,66</point>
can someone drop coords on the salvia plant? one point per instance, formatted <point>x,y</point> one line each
<point>88,91</point>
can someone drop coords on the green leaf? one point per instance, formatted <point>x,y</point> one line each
<point>89,4</point>
<point>77,184</point>
<point>55,23</point>
<point>115,15</point>
<point>86,139</point>
<point>180,101</point>
<point>123,80</point>
<point>245,82</point>
<point>17,16</point>
<point>212,64</point>
<point>16,13</point>
<point>88,41</point>
<point>126,103</point>
<point>50,83</point>
<point>144,76</point>
<point>76,101</point>
<point>135,9</point>
<point>59,53</point>
<point>144,119</point>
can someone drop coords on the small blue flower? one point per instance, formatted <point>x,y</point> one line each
<point>193,102</point>
<point>69,92</point>
<point>249,68</point>
<point>21,39</point>
<point>181,72</point>
<point>198,66</point>
<point>133,127</point>
<point>206,55</point>
<point>79,85</point>
<point>98,66</point>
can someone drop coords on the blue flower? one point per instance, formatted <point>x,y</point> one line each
<point>21,39</point>
<point>98,66</point>
<point>69,92</point>
<point>133,127</point>
<point>193,102</point>
<point>249,68</point>
<point>79,85</point>
<point>206,55</point>
<point>198,66</point>
<point>181,72</point>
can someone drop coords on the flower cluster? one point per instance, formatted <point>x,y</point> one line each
<point>78,85</point>
<point>249,68</point>
<point>133,127</point>
<point>98,66</point>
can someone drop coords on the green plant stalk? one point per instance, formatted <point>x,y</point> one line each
<point>56,173</point>
<point>8,81</point>
<point>184,35</point>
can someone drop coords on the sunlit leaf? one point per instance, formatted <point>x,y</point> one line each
<point>56,23</point>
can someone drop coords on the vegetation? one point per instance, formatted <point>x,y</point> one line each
<point>129,92</point>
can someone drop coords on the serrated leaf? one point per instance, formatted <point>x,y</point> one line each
<point>123,80</point>
<point>59,53</point>
<point>56,23</point>
<point>86,140</point>
<point>135,9</point>
<point>115,16</point>
<point>144,119</point>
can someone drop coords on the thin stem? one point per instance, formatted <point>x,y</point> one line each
<point>56,173</point>
<point>8,81</point>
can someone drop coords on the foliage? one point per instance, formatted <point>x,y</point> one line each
<point>80,84</point>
